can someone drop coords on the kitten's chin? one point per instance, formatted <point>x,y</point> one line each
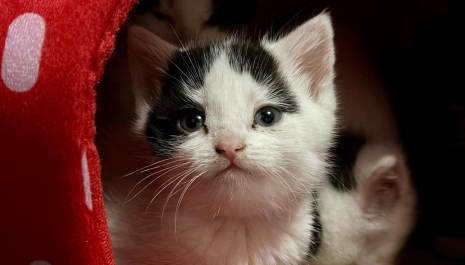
<point>238,170</point>
<point>231,171</point>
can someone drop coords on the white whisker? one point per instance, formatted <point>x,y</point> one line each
<point>158,177</point>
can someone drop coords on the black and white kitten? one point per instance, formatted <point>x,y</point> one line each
<point>240,135</point>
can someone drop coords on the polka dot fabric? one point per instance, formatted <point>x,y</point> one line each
<point>51,55</point>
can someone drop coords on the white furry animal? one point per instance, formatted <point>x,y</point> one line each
<point>240,138</point>
<point>368,223</point>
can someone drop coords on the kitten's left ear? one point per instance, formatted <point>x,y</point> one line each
<point>311,46</point>
<point>148,57</point>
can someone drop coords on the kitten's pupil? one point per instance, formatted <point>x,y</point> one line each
<point>267,116</point>
<point>193,121</point>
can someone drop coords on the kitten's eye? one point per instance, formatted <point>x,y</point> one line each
<point>158,15</point>
<point>268,116</point>
<point>191,120</point>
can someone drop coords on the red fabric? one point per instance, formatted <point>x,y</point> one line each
<point>45,131</point>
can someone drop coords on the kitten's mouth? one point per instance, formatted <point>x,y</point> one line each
<point>231,169</point>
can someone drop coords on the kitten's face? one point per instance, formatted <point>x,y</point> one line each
<point>244,120</point>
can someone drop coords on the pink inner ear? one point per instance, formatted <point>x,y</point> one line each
<point>382,189</point>
<point>386,194</point>
<point>311,46</point>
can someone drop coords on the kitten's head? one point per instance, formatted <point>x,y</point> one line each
<point>250,121</point>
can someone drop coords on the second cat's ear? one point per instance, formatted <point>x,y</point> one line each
<point>148,56</point>
<point>311,46</point>
<point>383,180</point>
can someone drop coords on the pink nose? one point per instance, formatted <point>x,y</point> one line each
<point>229,148</point>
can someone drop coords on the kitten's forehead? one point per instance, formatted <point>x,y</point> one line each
<point>231,68</point>
<point>229,96</point>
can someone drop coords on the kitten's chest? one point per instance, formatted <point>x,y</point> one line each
<point>231,241</point>
<point>188,236</point>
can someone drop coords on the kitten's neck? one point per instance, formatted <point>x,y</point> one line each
<point>206,233</point>
<point>206,237</point>
<point>241,203</point>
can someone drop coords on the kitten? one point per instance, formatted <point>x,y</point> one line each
<point>367,214</point>
<point>240,137</point>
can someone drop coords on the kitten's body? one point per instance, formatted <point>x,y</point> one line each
<point>199,207</point>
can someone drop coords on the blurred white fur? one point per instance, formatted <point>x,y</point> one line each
<point>370,225</point>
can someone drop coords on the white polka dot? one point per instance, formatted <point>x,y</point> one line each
<point>21,55</point>
<point>40,262</point>
<point>86,180</point>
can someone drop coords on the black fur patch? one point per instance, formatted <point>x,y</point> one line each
<point>344,154</point>
<point>317,229</point>
<point>186,67</point>
<point>190,67</point>
<point>264,69</point>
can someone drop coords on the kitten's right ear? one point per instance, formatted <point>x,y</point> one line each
<point>148,57</point>
<point>311,46</point>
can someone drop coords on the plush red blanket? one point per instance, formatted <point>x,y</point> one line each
<point>52,54</point>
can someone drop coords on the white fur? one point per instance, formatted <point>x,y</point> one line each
<point>356,234</point>
<point>261,215</point>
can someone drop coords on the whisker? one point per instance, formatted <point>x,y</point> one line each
<point>278,183</point>
<point>179,203</point>
<point>164,186</point>
<point>142,168</point>
<point>197,74</point>
<point>158,177</point>
<point>173,189</point>
<point>159,166</point>
<point>297,179</point>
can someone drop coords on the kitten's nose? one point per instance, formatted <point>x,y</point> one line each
<point>230,147</point>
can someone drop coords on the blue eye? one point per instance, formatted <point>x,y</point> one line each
<point>267,116</point>
<point>191,120</point>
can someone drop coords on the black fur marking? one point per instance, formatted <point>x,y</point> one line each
<point>264,69</point>
<point>344,154</point>
<point>188,68</point>
<point>317,229</point>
